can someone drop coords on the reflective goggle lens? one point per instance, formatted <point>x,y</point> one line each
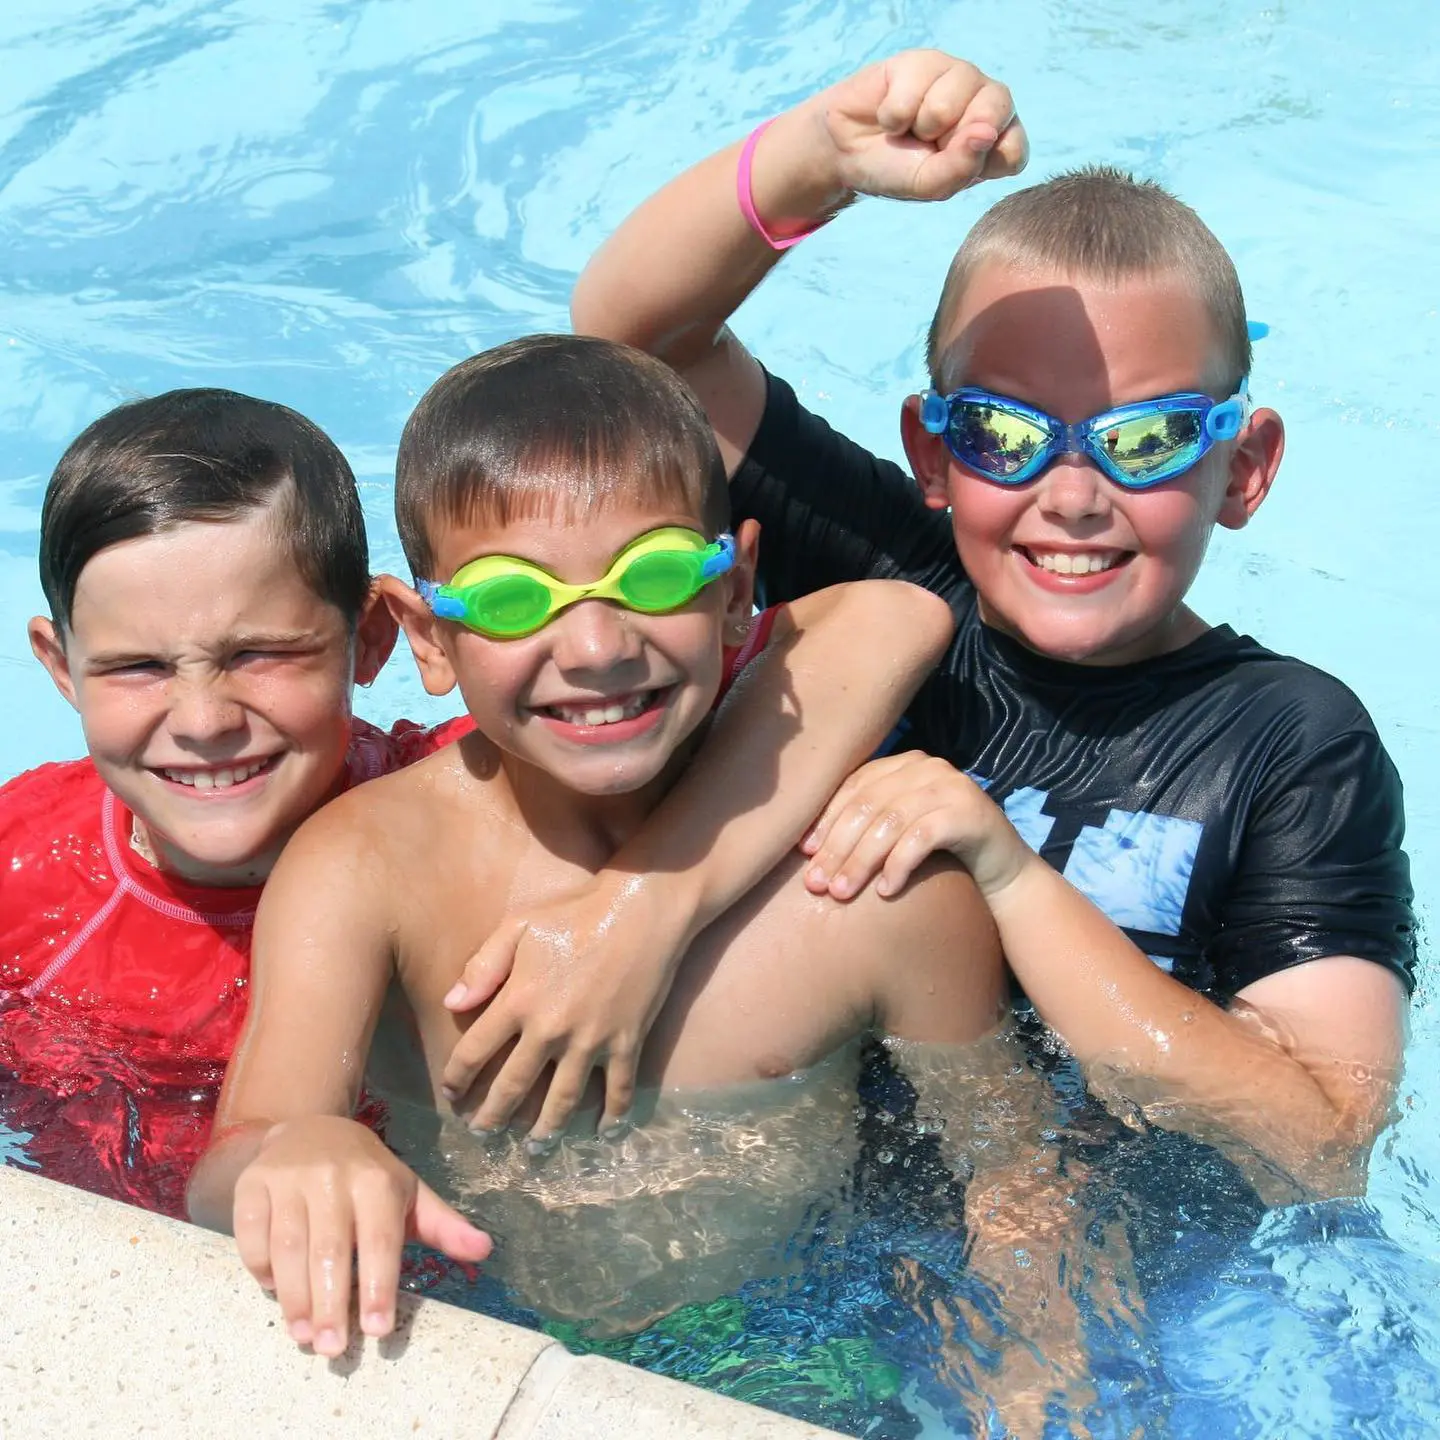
<point>995,441</point>
<point>1153,445</point>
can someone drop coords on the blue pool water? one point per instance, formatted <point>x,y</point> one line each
<point>329,203</point>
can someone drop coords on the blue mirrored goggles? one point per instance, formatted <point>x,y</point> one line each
<point>1136,446</point>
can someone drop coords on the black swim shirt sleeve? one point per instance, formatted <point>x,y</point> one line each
<point>830,511</point>
<point>1322,871</point>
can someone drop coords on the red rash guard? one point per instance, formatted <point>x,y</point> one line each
<point>122,989</point>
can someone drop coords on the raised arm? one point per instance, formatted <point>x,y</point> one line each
<point>838,672</point>
<point>299,1182</point>
<point>919,126</point>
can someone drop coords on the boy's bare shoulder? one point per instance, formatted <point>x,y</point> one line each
<point>394,817</point>
<point>940,902</point>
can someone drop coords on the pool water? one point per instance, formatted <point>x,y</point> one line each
<point>328,204</point>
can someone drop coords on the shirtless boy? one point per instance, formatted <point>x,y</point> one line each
<point>203,554</point>
<point>569,496</point>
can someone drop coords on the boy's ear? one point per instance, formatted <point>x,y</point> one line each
<point>929,459</point>
<point>740,582</point>
<point>49,650</point>
<point>375,636</point>
<point>1257,455</point>
<point>422,630</point>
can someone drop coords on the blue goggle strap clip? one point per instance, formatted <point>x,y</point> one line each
<point>443,607</point>
<point>722,558</point>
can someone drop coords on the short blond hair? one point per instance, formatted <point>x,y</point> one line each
<point>1101,223</point>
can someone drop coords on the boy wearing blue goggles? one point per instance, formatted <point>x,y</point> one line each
<point>1166,810</point>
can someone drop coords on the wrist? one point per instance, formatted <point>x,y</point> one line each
<point>672,903</point>
<point>1010,875</point>
<point>792,175</point>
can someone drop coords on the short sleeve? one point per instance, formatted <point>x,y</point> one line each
<point>1321,871</point>
<point>830,511</point>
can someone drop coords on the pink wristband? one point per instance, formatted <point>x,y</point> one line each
<point>747,199</point>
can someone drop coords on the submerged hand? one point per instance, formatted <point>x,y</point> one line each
<point>922,125</point>
<point>892,813</point>
<point>322,1192</point>
<point>576,983</point>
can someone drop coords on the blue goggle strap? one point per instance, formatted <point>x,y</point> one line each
<point>443,607</point>
<point>719,558</point>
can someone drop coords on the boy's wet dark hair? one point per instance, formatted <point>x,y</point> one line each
<point>206,455</point>
<point>553,425</point>
<point>1100,223</point>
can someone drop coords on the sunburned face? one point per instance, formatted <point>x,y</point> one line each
<point>601,697</point>
<point>214,688</point>
<point>1071,564</point>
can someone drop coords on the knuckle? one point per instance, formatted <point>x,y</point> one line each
<point>888,821</point>
<point>329,1252</point>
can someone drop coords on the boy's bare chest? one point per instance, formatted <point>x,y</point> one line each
<point>761,994</point>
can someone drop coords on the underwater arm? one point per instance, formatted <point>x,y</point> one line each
<point>838,672</point>
<point>1297,1078</point>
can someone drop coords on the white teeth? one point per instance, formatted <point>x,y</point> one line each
<point>1062,563</point>
<point>595,715</point>
<point>215,779</point>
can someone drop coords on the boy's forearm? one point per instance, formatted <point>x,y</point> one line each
<point>805,712</point>
<point>1188,1062</point>
<point>210,1195</point>
<point>675,271</point>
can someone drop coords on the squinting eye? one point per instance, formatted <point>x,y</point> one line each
<point>135,667</point>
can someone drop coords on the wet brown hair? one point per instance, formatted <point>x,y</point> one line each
<point>558,425</point>
<point>204,455</point>
<point>1100,223</point>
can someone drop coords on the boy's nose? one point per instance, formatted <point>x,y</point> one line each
<point>203,710</point>
<point>594,635</point>
<point>1072,488</point>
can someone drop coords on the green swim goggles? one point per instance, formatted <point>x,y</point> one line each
<point>506,598</point>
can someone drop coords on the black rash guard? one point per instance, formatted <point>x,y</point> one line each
<point>1231,809</point>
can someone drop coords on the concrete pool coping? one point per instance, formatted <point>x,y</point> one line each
<point>120,1322</point>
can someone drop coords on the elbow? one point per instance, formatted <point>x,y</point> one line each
<point>587,315</point>
<point>921,622</point>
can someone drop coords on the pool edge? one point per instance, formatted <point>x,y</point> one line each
<point>141,1325</point>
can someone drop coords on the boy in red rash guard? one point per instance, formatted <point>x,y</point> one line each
<point>204,558</point>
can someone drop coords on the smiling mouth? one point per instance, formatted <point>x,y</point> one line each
<point>594,714</point>
<point>1069,562</point>
<point>217,777</point>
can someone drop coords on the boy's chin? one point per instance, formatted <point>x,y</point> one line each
<point>598,780</point>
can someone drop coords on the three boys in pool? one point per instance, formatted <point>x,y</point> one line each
<point>1191,846</point>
